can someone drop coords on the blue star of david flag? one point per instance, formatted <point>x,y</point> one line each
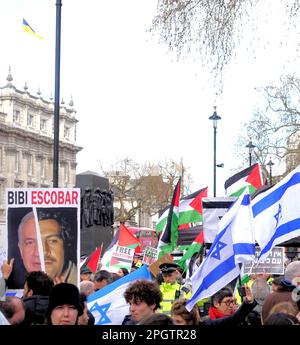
<point>233,244</point>
<point>276,213</point>
<point>108,304</point>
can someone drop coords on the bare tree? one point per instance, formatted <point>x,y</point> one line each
<point>141,188</point>
<point>274,129</point>
<point>170,170</point>
<point>213,28</point>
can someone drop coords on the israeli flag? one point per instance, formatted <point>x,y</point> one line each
<point>276,213</point>
<point>233,244</point>
<point>108,305</point>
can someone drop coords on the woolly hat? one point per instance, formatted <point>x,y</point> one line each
<point>64,293</point>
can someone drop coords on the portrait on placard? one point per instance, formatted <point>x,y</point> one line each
<point>43,238</point>
<point>21,232</point>
<point>58,230</point>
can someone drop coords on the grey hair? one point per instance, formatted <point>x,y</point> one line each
<point>292,270</point>
<point>23,221</point>
<point>86,287</point>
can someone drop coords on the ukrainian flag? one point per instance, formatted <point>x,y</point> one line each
<point>27,28</point>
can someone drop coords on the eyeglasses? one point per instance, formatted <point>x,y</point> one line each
<point>228,302</point>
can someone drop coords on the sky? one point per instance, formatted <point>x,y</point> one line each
<point>133,98</point>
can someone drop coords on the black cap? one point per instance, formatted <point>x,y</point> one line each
<point>168,267</point>
<point>85,270</point>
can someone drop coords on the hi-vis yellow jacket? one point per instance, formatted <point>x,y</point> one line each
<point>170,293</point>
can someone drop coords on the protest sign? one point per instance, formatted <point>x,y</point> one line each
<point>154,268</point>
<point>150,255</point>
<point>273,264</point>
<point>122,257</point>
<point>43,233</point>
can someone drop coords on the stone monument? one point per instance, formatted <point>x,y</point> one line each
<point>97,212</point>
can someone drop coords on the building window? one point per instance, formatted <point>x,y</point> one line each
<point>17,163</point>
<point>16,116</point>
<point>42,168</point>
<point>30,119</point>
<point>30,165</point>
<point>66,132</point>
<point>67,173</point>
<point>43,125</point>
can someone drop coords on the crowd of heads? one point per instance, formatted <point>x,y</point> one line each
<point>65,304</point>
<point>56,238</point>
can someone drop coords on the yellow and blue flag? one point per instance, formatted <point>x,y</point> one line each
<point>27,28</point>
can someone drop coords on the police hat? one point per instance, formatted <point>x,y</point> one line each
<point>168,267</point>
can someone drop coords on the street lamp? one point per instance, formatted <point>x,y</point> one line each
<point>215,117</point>
<point>270,164</point>
<point>250,146</point>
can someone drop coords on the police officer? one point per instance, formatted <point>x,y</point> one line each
<point>170,288</point>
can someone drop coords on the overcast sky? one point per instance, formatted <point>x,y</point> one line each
<point>133,99</point>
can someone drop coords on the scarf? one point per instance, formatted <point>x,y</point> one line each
<point>215,314</point>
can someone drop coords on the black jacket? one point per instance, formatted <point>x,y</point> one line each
<point>235,319</point>
<point>35,309</point>
<point>128,321</point>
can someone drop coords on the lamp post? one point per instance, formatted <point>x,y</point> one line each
<point>270,164</point>
<point>215,117</point>
<point>250,146</point>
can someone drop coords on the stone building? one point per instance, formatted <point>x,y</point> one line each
<point>26,142</point>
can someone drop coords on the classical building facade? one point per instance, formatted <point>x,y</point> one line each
<point>26,141</point>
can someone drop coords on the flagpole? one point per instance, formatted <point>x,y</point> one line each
<point>56,95</point>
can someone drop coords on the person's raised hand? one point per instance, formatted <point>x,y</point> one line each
<point>249,296</point>
<point>7,268</point>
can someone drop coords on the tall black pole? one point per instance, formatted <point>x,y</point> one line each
<point>56,95</point>
<point>215,161</point>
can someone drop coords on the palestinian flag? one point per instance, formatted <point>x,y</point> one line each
<point>190,211</point>
<point>162,221</point>
<point>190,207</point>
<point>237,183</point>
<point>127,239</point>
<point>194,248</point>
<point>120,262</point>
<point>122,257</point>
<point>122,238</point>
<point>94,259</point>
<point>168,239</point>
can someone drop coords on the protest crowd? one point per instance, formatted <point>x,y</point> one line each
<point>224,282</point>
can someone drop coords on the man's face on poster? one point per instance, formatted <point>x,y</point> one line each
<point>28,246</point>
<point>53,247</point>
